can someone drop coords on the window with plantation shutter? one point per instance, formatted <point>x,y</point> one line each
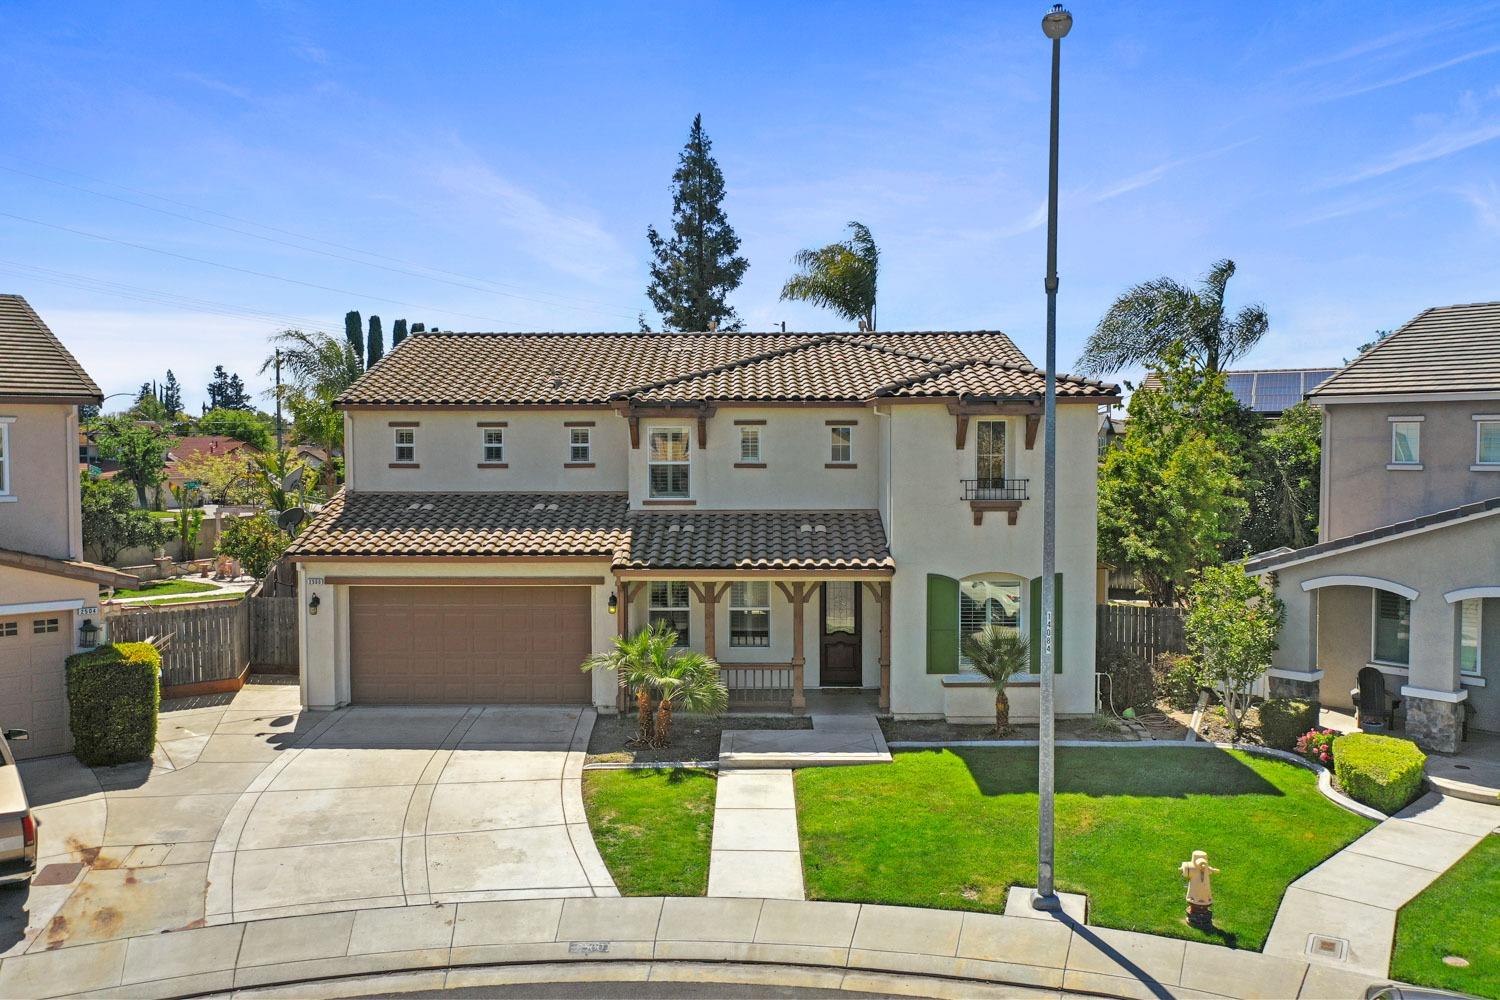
<point>1392,642</point>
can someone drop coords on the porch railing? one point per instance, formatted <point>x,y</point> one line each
<point>766,686</point>
<point>995,489</point>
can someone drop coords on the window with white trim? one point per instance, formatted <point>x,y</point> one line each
<point>841,441</point>
<point>4,457</point>
<point>667,463</point>
<point>1487,447</point>
<point>1392,629</point>
<point>750,613</point>
<point>1406,442</point>
<point>580,445</point>
<point>406,445</point>
<point>750,444</point>
<point>1470,633</point>
<point>986,604</point>
<point>667,601</point>
<point>42,626</point>
<point>494,445</point>
<point>989,450</point>
<point>8,630</point>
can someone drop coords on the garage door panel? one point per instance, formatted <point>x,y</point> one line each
<point>33,688</point>
<point>470,644</point>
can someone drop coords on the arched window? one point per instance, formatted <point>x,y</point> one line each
<point>985,601</point>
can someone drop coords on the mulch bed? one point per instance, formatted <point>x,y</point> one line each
<point>1100,728</point>
<point>694,737</point>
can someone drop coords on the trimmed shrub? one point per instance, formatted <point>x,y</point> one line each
<point>1283,721</point>
<point>114,693</point>
<point>1131,684</point>
<point>1381,771</point>
<point>1177,680</point>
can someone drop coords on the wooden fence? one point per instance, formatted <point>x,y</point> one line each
<point>200,642</point>
<point>273,632</point>
<point>1146,632</point>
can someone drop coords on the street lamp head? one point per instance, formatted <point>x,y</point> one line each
<point>1057,22</point>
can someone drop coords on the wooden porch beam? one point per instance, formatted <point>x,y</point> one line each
<point>963,430</point>
<point>1033,421</point>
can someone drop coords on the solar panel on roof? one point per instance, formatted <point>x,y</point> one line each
<point>1241,387</point>
<point>1275,391</point>
<point>1311,380</point>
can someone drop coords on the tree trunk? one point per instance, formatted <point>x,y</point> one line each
<point>663,735</point>
<point>1002,712</point>
<point>643,713</point>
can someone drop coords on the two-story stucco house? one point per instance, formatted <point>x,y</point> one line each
<point>47,591</point>
<point>1405,576</point>
<point>815,510</point>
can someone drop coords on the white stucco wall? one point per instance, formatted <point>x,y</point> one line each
<point>41,513</point>
<point>932,530</point>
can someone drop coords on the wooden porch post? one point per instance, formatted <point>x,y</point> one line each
<point>708,595</point>
<point>622,614</point>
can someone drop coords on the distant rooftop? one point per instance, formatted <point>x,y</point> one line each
<point>1444,349</point>
<point>1266,390</point>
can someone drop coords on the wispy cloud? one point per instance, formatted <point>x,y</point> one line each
<point>1409,75</point>
<point>1435,147</point>
<point>1485,200</point>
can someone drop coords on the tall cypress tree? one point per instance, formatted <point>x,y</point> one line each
<point>376,349</point>
<point>171,394</point>
<point>694,271</point>
<point>398,333</point>
<point>354,332</point>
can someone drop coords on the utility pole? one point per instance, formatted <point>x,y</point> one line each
<point>1055,25</point>
<point>278,400</point>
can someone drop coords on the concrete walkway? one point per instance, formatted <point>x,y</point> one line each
<point>834,740</point>
<point>1342,914</point>
<point>755,850</point>
<point>833,945</point>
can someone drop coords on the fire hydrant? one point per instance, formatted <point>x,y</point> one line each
<point>1200,893</point>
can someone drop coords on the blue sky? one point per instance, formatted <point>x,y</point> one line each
<point>494,166</point>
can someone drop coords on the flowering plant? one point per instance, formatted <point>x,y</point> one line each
<point>1317,746</point>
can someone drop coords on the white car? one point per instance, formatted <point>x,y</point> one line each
<point>17,825</point>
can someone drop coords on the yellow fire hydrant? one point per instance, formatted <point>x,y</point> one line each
<point>1200,892</point>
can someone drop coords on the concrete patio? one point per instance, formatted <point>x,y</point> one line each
<point>255,809</point>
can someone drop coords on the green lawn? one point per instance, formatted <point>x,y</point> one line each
<point>653,827</point>
<point>1457,915</point>
<point>161,588</point>
<point>955,829</point>
<point>233,595</point>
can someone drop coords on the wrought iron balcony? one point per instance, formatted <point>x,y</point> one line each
<point>995,489</point>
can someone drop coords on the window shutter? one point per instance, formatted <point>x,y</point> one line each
<point>1034,621</point>
<point>942,624</point>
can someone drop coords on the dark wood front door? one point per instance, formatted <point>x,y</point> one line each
<point>840,635</point>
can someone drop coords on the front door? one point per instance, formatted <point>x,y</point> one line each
<point>840,635</point>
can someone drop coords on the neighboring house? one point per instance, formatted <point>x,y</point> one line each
<point>1405,576</point>
<point>47,591</point>
<point>188,448</point>
<point>1267,391</point>
<point>815,510</point>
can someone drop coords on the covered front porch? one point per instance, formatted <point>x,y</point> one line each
<point>778,636</point>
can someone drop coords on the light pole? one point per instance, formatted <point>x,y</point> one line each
<point>1055,25</point>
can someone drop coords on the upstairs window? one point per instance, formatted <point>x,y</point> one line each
<point>494,445</point>
<point>406,445</point>
<point>990,451</point>
<point>1406,442</point>
<point>841,440</point>
<point>1487,450</point>
<point>580,446</point>
<point>667,463</point>
<point>1392,629</point>
<point>5,456</point>
<point>1470,631</point>
<point>668,602</point>
<point>750,444</point>
<point>750,613</point>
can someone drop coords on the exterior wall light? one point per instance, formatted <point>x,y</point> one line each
<point>614,603</point>
<point>88,634</point>
<point>312,605</point>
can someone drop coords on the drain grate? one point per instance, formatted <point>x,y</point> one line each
<point>1323,946</point>
<point>58,874</point>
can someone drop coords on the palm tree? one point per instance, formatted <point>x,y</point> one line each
<point>840,276</point>
<point>998,653</point>
<point>663,676</point>
<point>316,368</point>
<point>1151,317</point>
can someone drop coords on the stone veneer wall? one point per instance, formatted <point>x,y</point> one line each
<point>1435,725</point>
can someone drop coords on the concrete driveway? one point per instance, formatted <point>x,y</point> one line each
<point>253,808</point>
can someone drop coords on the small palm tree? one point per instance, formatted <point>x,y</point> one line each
<point>691,681</point>
<point>840,276</point>
<point>998,653</point>
<point>662,675</point>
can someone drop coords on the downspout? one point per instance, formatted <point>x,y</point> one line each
<point>890,496</point>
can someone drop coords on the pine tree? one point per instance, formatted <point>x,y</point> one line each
<point>398,333</point>
<point>226,391</point>
<point>218,387</point>
<point>694,271</point>
<point>237,398</point>
<point>354,332</point>
<point>376,349</point>
<point>171,394</point>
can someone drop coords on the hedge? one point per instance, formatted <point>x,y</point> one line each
<point>1381,771</point>
<point>1283,721</point>
<point>114,693</point>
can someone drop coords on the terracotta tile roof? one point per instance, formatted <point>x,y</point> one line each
<point>599,525</point>
<point>1445,349</point>
<point>210,444</point>
<point>993,379</point>
<point>595,368</point>
<point>33,362</point>
<point>761,539</point>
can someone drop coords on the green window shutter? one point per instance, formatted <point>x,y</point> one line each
<point>942,624</point>
<point>1034,622</point>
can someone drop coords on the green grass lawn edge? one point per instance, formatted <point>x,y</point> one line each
<point>955,828</point>
<point>653,827</point>
<point>1459,915</point>
<point>165,587</point>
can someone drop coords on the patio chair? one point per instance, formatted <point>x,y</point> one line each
<point>1375,710</point>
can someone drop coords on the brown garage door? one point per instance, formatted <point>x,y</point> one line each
<point>451,645</point>
<point>33,694</point>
